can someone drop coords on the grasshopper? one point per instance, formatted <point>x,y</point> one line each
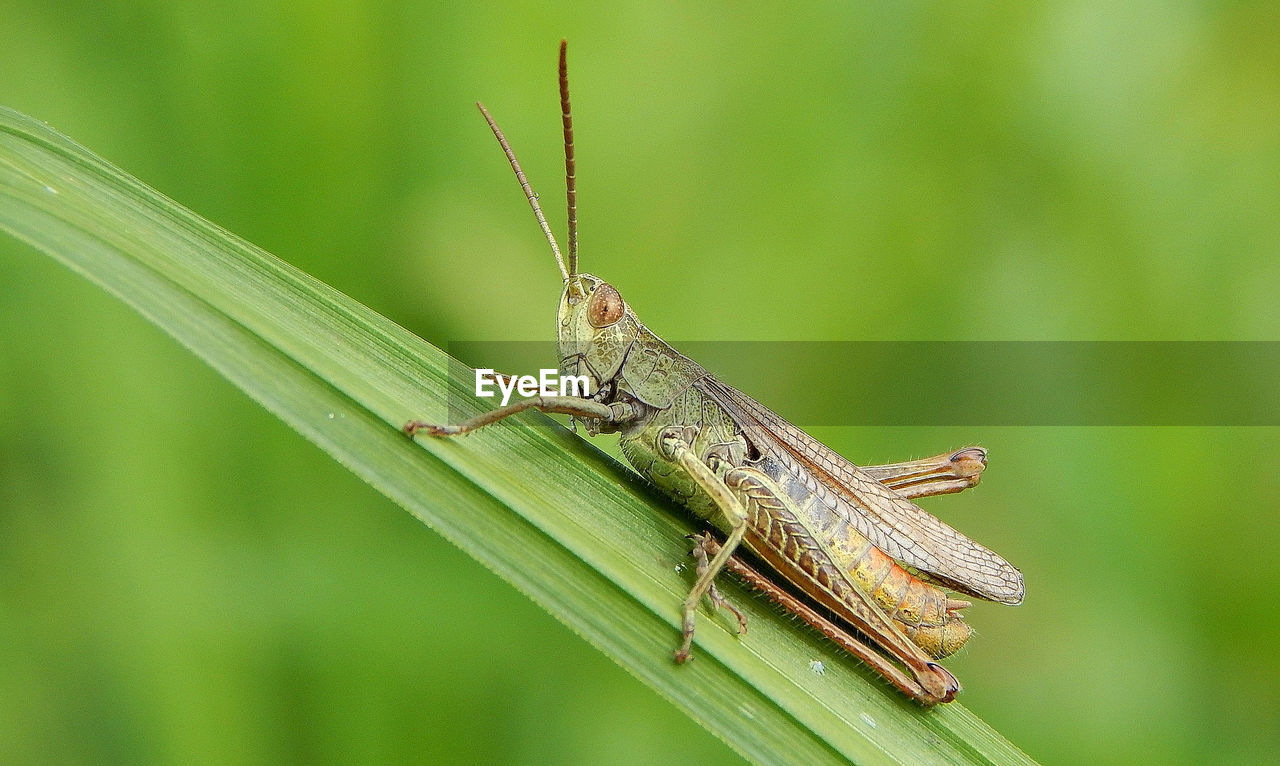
<point>848,538</point>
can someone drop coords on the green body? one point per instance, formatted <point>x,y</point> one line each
<point>789,524</point>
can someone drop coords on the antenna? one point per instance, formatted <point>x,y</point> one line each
<point>570,171</point>
<point>524,184</point>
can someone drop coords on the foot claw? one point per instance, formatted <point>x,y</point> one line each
<point>415,427</point>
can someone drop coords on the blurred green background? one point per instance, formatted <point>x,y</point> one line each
<point>184,579</point>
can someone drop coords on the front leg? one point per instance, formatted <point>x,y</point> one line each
<point>616,414</point>
<point>675,448</point>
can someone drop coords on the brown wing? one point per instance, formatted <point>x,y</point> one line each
<point>894,524</point>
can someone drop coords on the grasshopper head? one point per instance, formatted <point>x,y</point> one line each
<point>595,328</point>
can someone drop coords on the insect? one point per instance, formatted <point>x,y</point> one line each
<point>847,537</point>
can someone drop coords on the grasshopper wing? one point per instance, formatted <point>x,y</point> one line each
<point>894,524</point>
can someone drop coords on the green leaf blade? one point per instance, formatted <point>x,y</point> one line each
<point>562,522</point>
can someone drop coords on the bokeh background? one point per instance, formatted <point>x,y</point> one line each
<point>184,579</point>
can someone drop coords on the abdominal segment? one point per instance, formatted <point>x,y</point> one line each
<point>920,609</point>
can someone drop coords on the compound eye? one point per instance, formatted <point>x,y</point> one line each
<point>606,306</point>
